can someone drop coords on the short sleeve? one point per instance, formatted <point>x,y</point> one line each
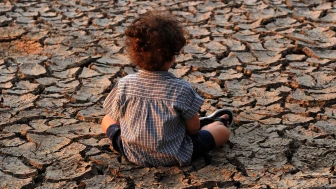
<point>192,103</point>
<point>112,104</point>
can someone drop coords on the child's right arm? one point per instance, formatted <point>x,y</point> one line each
<point>108,121</point>
<point>193,125</point>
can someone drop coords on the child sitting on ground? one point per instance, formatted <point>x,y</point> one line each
<point>152,116</point>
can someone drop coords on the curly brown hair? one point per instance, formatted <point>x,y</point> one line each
<point>154,39</point>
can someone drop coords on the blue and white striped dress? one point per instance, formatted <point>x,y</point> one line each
<point>152,108</point>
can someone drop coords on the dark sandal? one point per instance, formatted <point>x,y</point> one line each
<point>216,116</point>
<point>224,121</point>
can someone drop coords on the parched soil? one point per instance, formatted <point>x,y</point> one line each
<point>273,62</point>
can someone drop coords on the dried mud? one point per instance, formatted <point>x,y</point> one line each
<point>272,62</point>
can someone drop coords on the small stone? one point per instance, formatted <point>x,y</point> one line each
<point>248,72</point>
<point>240,69</point>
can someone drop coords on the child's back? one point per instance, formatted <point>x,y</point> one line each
<point>153,107</point>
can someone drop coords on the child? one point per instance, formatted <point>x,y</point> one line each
<point>152,115</point>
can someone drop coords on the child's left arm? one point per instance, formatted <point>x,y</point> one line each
<point>192,103</point>
<point>112,107</point>
<point>193,125</point>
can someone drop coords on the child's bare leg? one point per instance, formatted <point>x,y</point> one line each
<point>220,132</point>
<point>108,121</point>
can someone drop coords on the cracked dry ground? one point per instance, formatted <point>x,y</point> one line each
<point>271,61</point>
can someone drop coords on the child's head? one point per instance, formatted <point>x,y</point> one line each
<point>154,39</point>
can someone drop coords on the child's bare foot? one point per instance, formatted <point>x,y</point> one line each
<point>224,119</point>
